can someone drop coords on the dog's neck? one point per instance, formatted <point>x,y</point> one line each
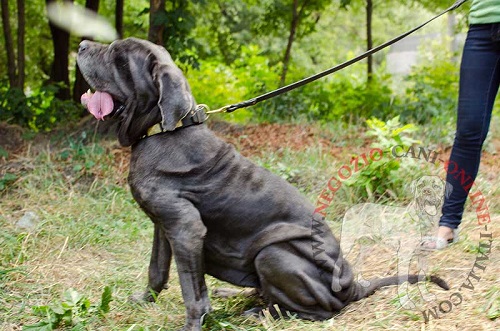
<point>132,128</point>
<point>193,117</point>
<point>149,123</point>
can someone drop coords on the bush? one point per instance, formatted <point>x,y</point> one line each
<point>380,179</point>
<point>218,85</point>
<point>431,94</point>
<point>343,97</point>
<point>40,110</point>
<point>358,101</point>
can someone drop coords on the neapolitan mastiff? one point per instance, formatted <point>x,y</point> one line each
<point>215,211</point>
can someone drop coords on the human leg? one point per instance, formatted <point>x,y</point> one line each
<point>479,81</point>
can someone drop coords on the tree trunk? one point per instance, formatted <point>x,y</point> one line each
<point>119,18</point>
<point>21,29</point>
<point>59,72</point>
<point>155,33</point>
<point>369,39</point>
<point>9,44</point>
<point>81,86</point>
<point>291,37</point>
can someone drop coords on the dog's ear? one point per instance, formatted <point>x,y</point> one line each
<point>414,186</point>
<point>175,99</point>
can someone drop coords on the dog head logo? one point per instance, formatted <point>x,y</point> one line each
<point>429,193</point>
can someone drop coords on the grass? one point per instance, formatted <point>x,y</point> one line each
<point>89,234</point>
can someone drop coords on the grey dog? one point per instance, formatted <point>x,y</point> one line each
<point>215,211</point>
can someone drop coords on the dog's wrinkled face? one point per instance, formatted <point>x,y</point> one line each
<point>137,75</point>
<point>429,192</point>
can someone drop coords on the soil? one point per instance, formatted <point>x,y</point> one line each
<point>11,139</point>
<point>259,139</point>
<point>250,140</point>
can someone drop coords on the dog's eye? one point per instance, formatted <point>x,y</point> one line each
<point>121,60</point>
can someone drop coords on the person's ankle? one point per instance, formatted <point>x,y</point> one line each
<point>445,232</point>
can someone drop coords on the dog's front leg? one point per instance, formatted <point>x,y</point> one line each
<point>187,244</point>
<point>159,267</point>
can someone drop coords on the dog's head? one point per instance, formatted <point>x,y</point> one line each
<point>135,81</point>
<point>429,192</point>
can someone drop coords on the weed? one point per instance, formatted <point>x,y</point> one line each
<point>3,153</point>
<point>377,178</point>
<point>74,311</point>
<point>6,180</point>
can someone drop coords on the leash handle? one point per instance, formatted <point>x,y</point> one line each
<point>292,86</point>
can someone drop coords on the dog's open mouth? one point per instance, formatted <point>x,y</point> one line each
<point>100,104</point>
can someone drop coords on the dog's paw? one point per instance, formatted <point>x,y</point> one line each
<point>255,312</point>
<point>190,328</point>
<point>192,325</point>
<point>142,297</point>
<point>336,286</point>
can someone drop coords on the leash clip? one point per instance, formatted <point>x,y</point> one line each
<point>215,111</point>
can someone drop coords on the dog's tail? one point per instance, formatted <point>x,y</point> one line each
<point>377,283</point>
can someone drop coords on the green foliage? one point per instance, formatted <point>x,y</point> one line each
<point>389,134</point>
<point>226,27</point>
<point>436,5</point>
<point>11,250</point>
<point>277,16</point>
<point>73,311</point>
<point>355,100</point>
<point>83,157</point>
<point>237,46</point>
<point>217,84</point>
<point>345,97</point>
<point>377,178</point>
<point>177,20</point>
<point>6,180</point>
<point>339,99</point>
<point>40,110</point>
<point>5,273</point>
<point>432,93</point>
<point>3,153</point>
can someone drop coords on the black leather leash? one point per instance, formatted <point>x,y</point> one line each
<point>287,88</point>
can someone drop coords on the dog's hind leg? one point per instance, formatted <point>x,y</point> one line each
<point>293,280</point>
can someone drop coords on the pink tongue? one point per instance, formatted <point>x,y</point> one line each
<point>99,104</point>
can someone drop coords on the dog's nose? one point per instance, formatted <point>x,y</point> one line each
<point>83,46</point>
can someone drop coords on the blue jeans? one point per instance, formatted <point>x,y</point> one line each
<point>479,80</point>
